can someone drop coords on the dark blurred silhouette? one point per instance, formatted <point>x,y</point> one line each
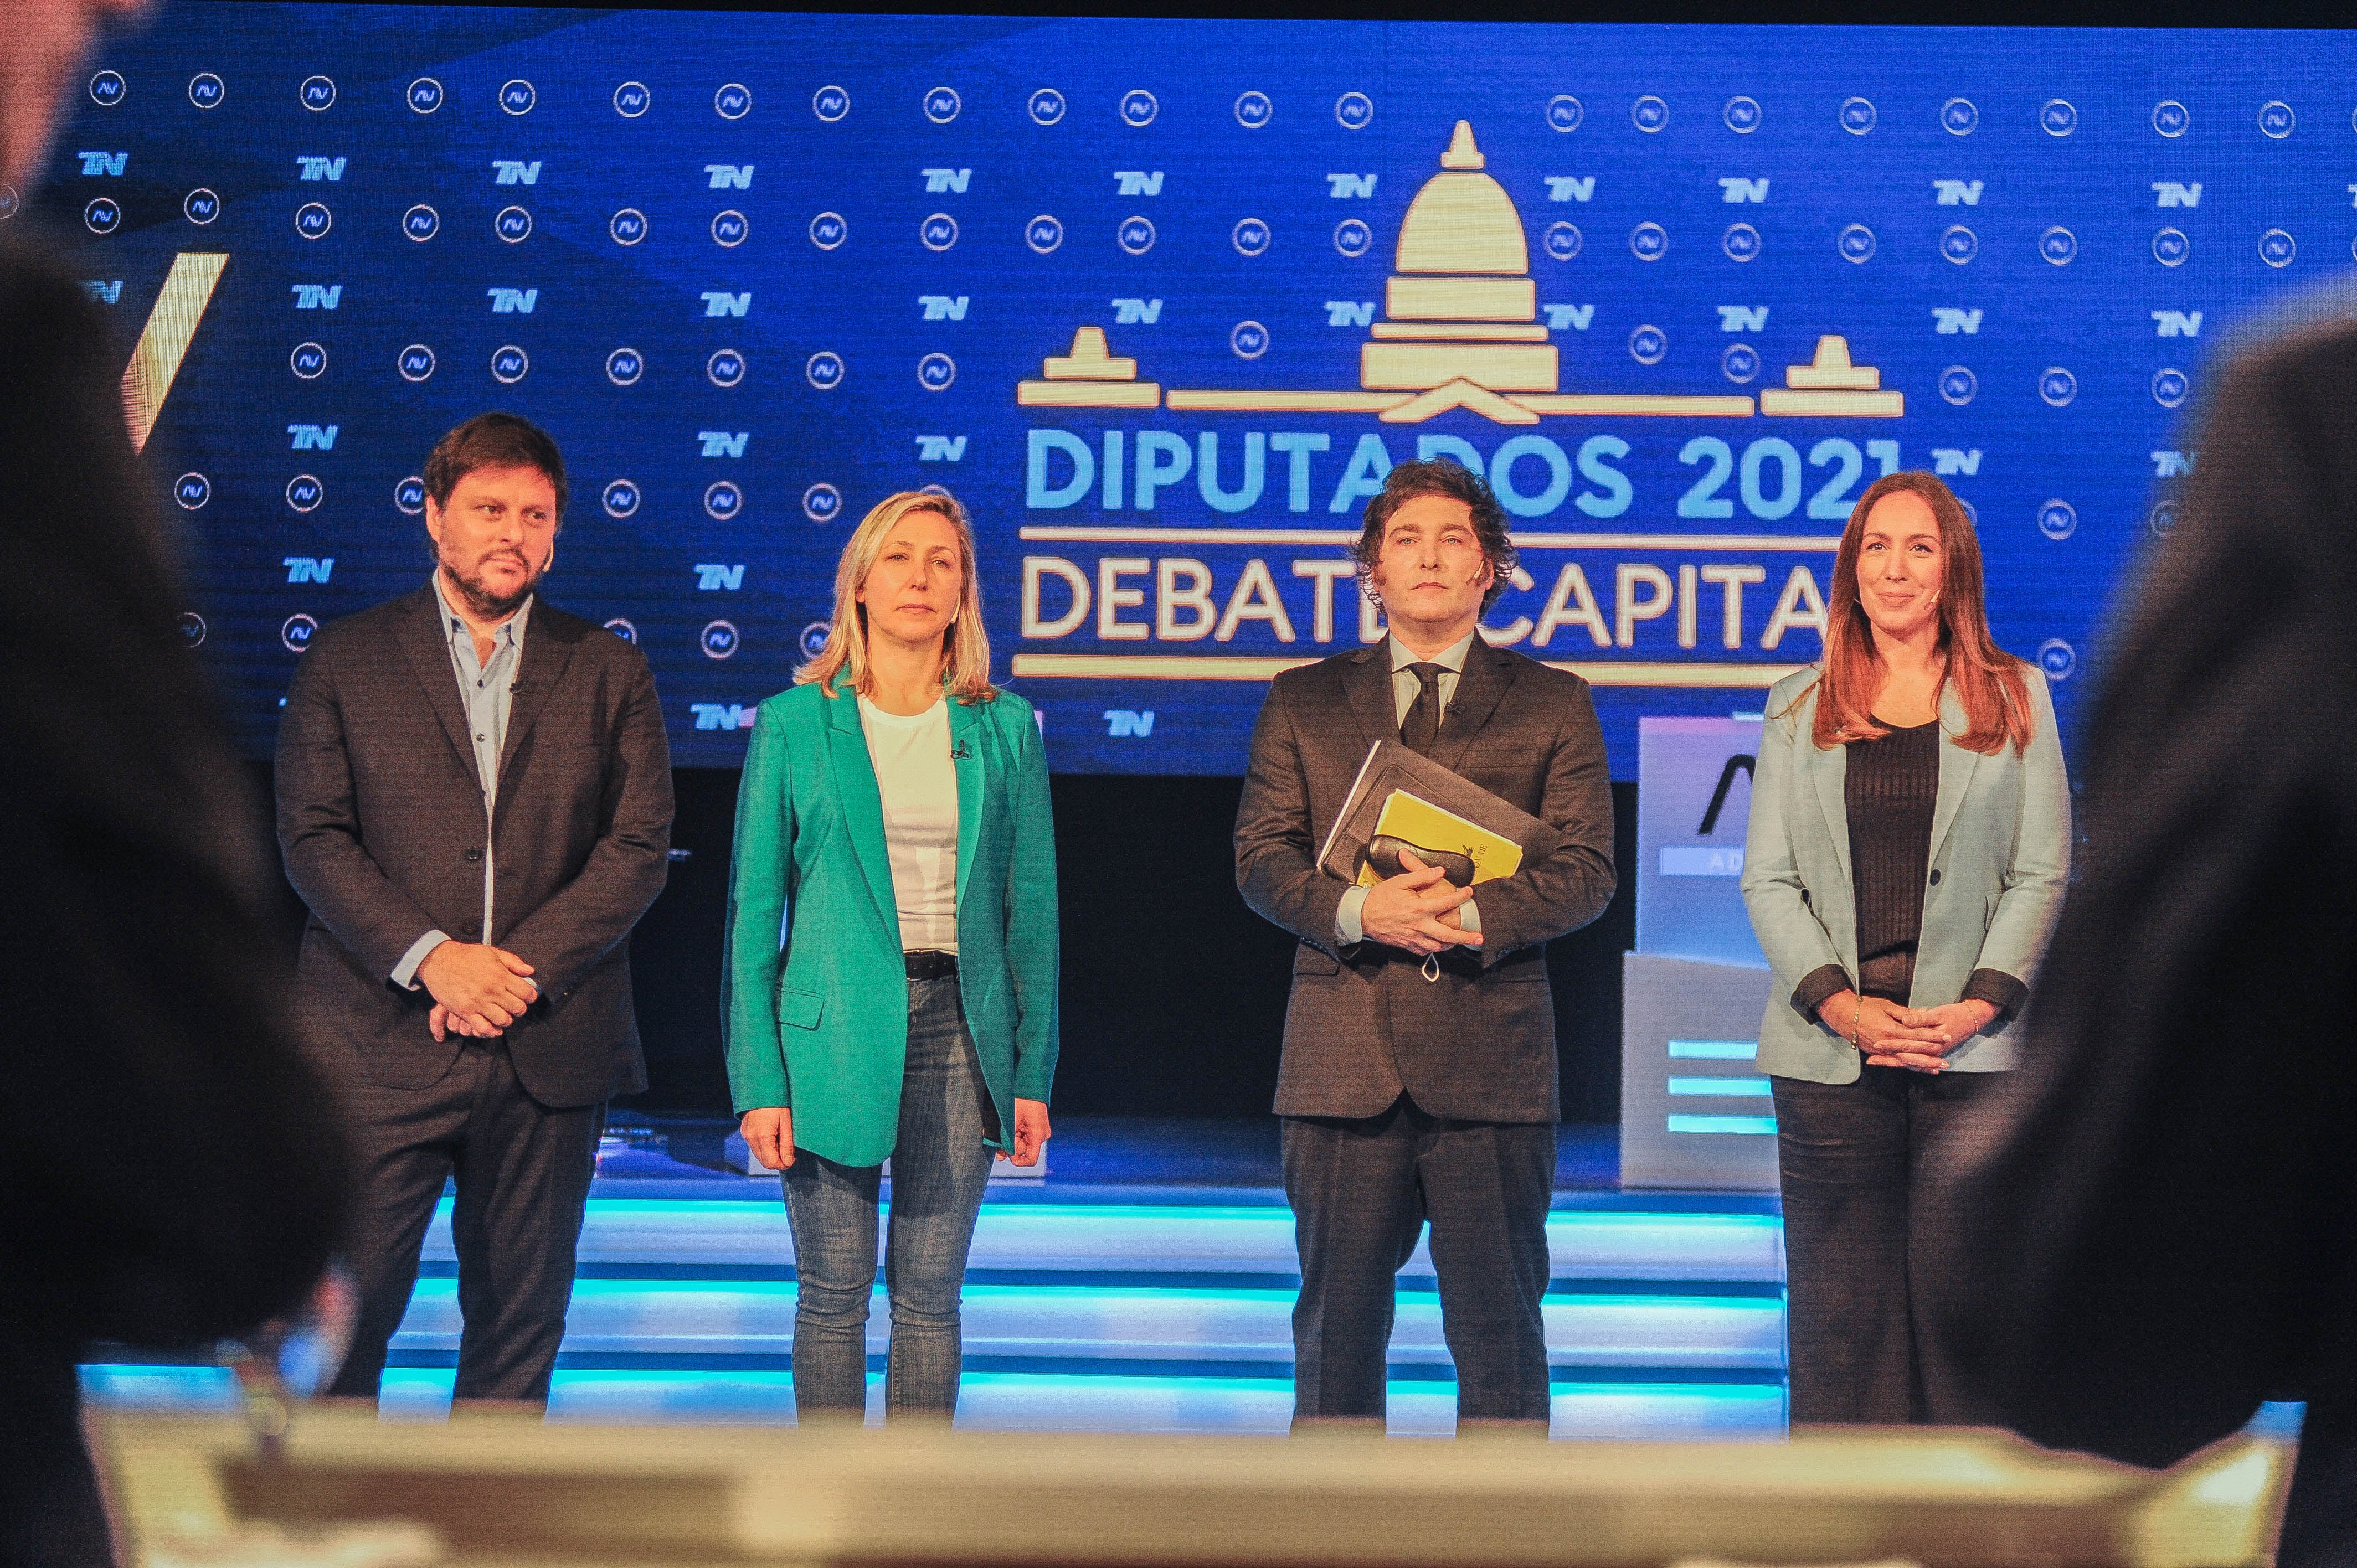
<point>2153,1232</point>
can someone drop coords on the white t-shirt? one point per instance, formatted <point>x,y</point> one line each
<point>918,783</point>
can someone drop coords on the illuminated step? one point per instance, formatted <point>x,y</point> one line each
<point>668,1319</point>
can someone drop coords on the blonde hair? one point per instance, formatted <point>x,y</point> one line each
<point>966,646</point>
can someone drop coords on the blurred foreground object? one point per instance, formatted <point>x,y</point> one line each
<point>494,1488</point>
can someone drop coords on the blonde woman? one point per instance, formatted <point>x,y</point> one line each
<point>891,961</point>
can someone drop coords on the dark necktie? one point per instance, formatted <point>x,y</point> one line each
<point>1422,725</point>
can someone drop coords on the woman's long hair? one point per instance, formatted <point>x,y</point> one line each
<point>966,646</point>
<point>1987,680</point>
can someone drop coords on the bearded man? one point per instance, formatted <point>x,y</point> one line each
<point>475,800</point>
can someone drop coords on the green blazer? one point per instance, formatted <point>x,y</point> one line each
<point>817,1012</point>
<point>2000,858</point>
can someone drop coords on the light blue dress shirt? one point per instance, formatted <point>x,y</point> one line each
<point>1404,686</point>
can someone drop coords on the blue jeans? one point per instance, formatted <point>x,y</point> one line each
<point>940,1166</point>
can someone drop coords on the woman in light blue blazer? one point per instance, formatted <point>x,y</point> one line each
<point>1908,844</point>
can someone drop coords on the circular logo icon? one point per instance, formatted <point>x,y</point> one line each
<point>415,362</point>
<point>1248,340</point>
<point>825,370</point>
<point>2171,118</point>
<point>192,490</point>
<point>2276,120</point>
<point>2057,658</point>
<point>2170,387</point>
<point>632,99</point>
<point>1254,110</point>
<point>2057,520</point>
<point>1046,106</point>
<point>1561,240</point>
<point>2057,117</point>
<point>206,91</point>
<point>308,361</point>
<point>312,221</point>
<point>1740,364</point>
<point>722,501</point>
<point>316,93</point>
<point>625,366</point>
<point>193,629</point>
<point>2057,386</point>
<point>1138,108</point>
<point>409,496</point>
<point>718,640</point>
<point>424,95</point>
<point>1959,245</point>
<point>822,502</point>
<point>828,230</point>
<point>510,365</point>
<point>1957,385</point>
<point>814,639</point>
<point>830,103</point>
<point>729,229</point>
<point>1856,116</point>
<point>1251,236</point>
<point>2277,248</point>
<point>725,368</point>
<point>201,206</point>
<point>1134,235</point>
<point>734,101</point>
<point>513,225</point>
<point>421,223</point>
<point>621,498</point>
<point>936,371</point>
<point>103,215</point>
<point>1647,345</point>
<point>941,106</point>
<point>623,630</point>
<point>1043,234</point>
<point>108,89</point>
<point>1354,111</point>
<point>1565,112</point>
<point>1855,243</point>
<point>1650,115</point>
<point>1972,512</point>
<point>517,97</point>
<point>304,492</point>
<point>1741,242</point>
<point>626,227</point>
<point>1649,242</point>
<point>2170,247</point>
<point>297,632</point>
<point>2059,246</point>
<point>1353,238</point>
<point>1742,114</point>
<point>10,201</point>
<point>1960,117</point>
<point>2163,522</point>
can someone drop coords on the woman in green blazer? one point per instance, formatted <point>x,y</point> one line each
<point>891,968</point>
<point>1908,844</point>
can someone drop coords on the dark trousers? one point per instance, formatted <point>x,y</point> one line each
<point>523,1172</point>
<point>1853,1156</point>
<point>1361,1190</point>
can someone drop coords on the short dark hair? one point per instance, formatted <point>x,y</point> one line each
<point>1438,476</point>
<point>493,441</point>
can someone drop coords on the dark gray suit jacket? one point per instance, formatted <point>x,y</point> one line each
<point>1363,1023</point>
<point>380,820</point>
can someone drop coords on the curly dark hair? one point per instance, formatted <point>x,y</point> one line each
<point>1438,476</point>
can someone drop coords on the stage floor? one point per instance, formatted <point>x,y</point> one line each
<point>1145,1285</point>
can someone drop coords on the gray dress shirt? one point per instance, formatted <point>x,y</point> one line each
<point>1404,686</point>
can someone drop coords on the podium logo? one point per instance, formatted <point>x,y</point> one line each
<point>308,568</point>
<point>723,444</point>
<point>313,437</point>
<point>1742,317</point>
<point>1123,723</point>
<point>315,167</point>
<point>2169,193</point>
<point>2177,323</point>
<point>938,181</point>
<point>1951,460</point>
<point>723,715</point>
<point>728,177</point>
<point>318,296</point>
<point>103,162</point>
<point>1570,188</point>
<point>720,303</point>
<point>713,576</point>
<point>944,307</point>
<point>2172,465</point>
<point>1130,312</point>
<point>1948,321</point>
<point>1345,186</point>
<point>514,301</point>
<point>1734,191</point>
<point>1957,192</point>
<point>941,448</point>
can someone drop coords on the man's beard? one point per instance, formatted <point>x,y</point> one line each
<point>481,600</point>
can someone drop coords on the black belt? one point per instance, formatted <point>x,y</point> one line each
<point>930,965</point>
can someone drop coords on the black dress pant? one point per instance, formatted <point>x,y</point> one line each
<point>1361,1190</point>
<point>1853,1157</point>
<point>522,1174</point>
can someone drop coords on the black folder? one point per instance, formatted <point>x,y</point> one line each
<point>1391,766</point>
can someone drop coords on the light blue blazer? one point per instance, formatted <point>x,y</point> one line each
<point>2000,858</point>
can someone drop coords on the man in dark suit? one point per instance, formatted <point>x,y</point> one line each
<point>474,797</point>
<point>1418,1079</point>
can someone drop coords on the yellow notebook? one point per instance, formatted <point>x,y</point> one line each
<point>1420,823</point>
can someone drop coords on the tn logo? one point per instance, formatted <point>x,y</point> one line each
<point>1348,185</point>
<point>2169,193</point>
<point>2172,465</point>
<point>318,296</point>
<point>1124,721</point>
<point>514,301</point>
<point>1947,320</point>
<point>1953,460</point>
<point>1957,192</point>
<point>1568,188</point>
<point>1350,313</point>
<point>2177,323</point>
<point>1130,312</point>
<point>941,448</point>
<point>103,292</point>
<point>727,176</point>
<point>938,181</point>
<point>515,171</point>
<point>710,576</point>
<point>1568,318</point>
<point>1742,317</point>
<point>944,307</point>
<point>321,168</point>
<point>312,438</point>
<point>716,302</point>
<point>1733,190</point>
<point>106,163</point>
<point>1137,182</point>
<point>724,444</point>
<point>310,569</point>
<point>723,716</point>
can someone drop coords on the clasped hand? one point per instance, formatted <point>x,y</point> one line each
<point>1417,910</point>
<point>1918,1038</point>
<point>479,990</point>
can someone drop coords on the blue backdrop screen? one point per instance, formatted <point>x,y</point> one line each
<point>1162,301</point>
